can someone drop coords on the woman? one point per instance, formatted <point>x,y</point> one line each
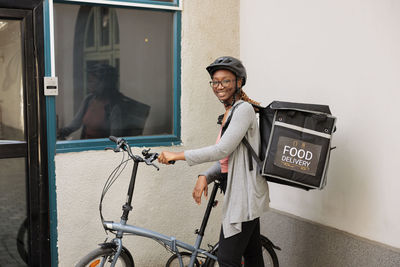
<point>246,192</point>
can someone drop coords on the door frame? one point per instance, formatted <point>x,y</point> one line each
<point>30,12</point>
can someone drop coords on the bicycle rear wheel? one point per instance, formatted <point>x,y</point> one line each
<point>104,256</point>
<point>268,252</point>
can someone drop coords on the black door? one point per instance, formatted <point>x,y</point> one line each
<point>24,212</point>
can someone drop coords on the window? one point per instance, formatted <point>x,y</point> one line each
<point>117,71</point>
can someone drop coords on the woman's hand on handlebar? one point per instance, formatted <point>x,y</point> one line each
<point>200,188</point>
<point>167,157</point>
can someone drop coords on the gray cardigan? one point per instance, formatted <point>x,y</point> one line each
<point>246,195</point>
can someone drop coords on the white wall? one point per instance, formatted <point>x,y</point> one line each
<point>343,53</point>
<point>163,199</point>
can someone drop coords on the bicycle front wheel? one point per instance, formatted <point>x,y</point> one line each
<point>104,256</point>
<point>173,261</point>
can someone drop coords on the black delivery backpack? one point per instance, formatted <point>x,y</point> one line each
<point>295,143</point>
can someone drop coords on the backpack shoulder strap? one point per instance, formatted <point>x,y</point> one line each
<point>228,120</point>
<point>250,150</point>
<point>253,154</point>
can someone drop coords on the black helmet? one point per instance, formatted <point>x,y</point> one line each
<point>228,63</point>
<point>105,73</point>
<point>102,70</point>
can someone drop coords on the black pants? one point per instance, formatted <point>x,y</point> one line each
<point>247,244</point>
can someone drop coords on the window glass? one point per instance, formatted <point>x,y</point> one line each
<point>104,25</point>
<point>89,32</point>
<point>11,87</point>
<point>115,71</point>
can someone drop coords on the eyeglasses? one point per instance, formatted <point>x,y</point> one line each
<point>224,83</point>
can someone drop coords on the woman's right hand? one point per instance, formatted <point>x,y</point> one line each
<point>166,157</point>
<point>200,188</point>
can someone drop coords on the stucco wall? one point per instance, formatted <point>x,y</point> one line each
<point>162,199</point>
<point>345,54</point>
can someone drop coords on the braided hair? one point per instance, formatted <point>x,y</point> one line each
<point>244,97</point>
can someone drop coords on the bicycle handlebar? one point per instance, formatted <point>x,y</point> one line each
<point>148,157</point>
<point>118,140</point>
<point>114,139</point>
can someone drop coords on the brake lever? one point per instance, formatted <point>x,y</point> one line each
<point>155,166</point>
<point>149,160</point>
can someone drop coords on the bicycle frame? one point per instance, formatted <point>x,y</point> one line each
<point>122,227</point>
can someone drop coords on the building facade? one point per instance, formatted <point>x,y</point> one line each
<point>137,69</point>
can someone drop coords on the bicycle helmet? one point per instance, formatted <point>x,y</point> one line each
<point>101,70</point>
<point>228,63</point>
<point>106,74</point>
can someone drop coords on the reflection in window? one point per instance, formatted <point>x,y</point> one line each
<point>115,72</point>
<point>104,23</point>
<point>89,32</point>
<point>11,90</point>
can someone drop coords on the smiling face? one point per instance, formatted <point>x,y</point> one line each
<point>224,85</point>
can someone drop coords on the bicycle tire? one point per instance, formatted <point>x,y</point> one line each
<point>173,261</point>
<point>269,255</point>
<point>94,258</point>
